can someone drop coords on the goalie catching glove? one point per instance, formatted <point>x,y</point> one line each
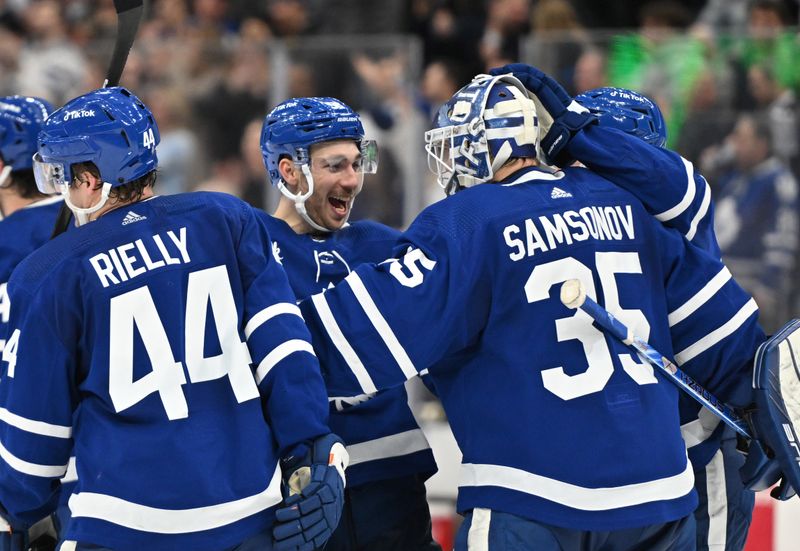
<point>316,482</point>
<point>560,116</point>
<point>774,454</point>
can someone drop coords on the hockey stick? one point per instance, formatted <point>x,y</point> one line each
<point>573,295</point>
<point>129,14</point>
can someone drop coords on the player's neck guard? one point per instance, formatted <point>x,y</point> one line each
<point>82,214</point>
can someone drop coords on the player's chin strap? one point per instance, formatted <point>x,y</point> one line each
<point>5,174</point>
<point>82,214</point>
<point>300,200</point>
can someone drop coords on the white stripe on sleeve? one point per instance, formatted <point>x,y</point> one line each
<point>704,204</point>
<point>35,427</point>
<point>279,353</point>
<point>703,295</point>
<point>691,189</point>
<point>268,313</point>
<point>33,469</point>
<point>718,334</point>
<point>379,322</point>
<point>341,344</point>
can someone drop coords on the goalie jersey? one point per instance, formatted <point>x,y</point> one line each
<point>557,421</point>
<point>21,233</point>
<point>381,434</point>
<point>133,339</point>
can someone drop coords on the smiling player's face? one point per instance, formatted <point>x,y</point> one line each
<point>336,169</point>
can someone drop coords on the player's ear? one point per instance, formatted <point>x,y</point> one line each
<point>289,172</point>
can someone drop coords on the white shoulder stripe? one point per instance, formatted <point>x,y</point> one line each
<point>341,344</point>
<point>578,497</point>
<point>687,198</point>
<point>173,521</point>
<point>279,353</point>
<point>700,213</point>
<point>718,334</point>
<point>268,313</point>
<point>33,469</point>
<point>398,352</point>
<point>709,290</point>
<point>35,427</point>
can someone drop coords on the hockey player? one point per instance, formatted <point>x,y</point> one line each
<point>315,152</point>
<point>723,517</point>
<point>132,338</point>
<point>568,441</point>
<point>26,216</point>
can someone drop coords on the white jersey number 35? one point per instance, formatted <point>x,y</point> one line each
<point>579,325</point>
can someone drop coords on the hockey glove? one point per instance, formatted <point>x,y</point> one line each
<point>561,116</point>
<point>316,496</point>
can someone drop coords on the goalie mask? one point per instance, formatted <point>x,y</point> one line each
<point>486,123</point>
<point>110,128</point>
<point>628,111</point>
<point>295,125</point>
<point>21,119</point>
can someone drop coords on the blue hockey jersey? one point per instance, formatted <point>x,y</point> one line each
<point>133,340</point>
<point>557,421</point>
<point>21,233</point>
<point>382,436</point>
<point>671,190</point>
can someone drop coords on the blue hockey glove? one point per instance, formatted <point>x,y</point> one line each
<point>316,496</point>
<point>567,115</point>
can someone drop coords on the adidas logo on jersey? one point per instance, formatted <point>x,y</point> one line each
<point>132,217</point>
<point>559,193</point>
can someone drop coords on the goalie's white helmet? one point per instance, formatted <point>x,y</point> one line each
<point>486,123</point>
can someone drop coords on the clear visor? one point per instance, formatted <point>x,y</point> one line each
<point>365,163</point>
<point>50,177</point>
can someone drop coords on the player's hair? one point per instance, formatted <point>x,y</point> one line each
<point>24,184</point>
<point>130,192</point>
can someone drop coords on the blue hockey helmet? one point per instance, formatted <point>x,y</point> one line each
<point>628,111</point>
<point>21,118</point>
<point>486,123</point>
<point>109,127</point>
<point>295,125</point>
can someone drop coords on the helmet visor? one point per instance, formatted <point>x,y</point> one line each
<point>50,177</point>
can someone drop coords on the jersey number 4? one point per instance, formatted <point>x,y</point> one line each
<point>579,326</point>
<point>136,310</point>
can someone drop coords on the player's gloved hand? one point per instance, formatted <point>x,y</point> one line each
<point>762,469</point>
<point>316,496</point>
<point>567,115</point>
<point>12,538</point>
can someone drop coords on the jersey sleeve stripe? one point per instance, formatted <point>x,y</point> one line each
<point>340,342</point>
<point>268,313</point>
<point>379,322</point>
<point>704,295</point>
<point>279,353</point>
<point>706,202</point>
<point>687,198</point>
<point>394,445</point>
<point>578,497</point>
<point>33,469</point>
<point>698,431</point>
<point>718,334</point>
<point>35,427</point>
<point>173,521</point>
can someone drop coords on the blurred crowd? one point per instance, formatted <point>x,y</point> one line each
<point>725,73</point>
